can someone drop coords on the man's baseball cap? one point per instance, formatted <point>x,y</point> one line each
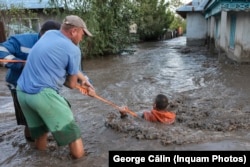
<point>78,22</point>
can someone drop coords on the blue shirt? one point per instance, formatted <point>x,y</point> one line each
<point>17,47</point>
<point>52,58</point>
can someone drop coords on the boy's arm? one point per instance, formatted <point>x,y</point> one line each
<point>8,50</point>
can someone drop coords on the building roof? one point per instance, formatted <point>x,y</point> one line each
<point>214,7</point>
<point>194,6</point>
<point>27,4</point>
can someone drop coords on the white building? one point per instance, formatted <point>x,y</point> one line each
<point>221,24</point>
<point>196,23</point>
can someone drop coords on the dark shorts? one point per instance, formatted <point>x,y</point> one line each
<point>18,111</point>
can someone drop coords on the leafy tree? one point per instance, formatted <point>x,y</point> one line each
<point>176,3</point>
<point>154,18</point>
<point>178,22</point>
<point>108,20</point>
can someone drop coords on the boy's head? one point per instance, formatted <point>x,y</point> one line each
<point>49,25</point>
<point>161,102</point>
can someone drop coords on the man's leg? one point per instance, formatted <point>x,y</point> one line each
<point>19,114</point>
<point>76,148</point>
<point>41,142</point>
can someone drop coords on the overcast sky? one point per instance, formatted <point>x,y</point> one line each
<point>186,1</point>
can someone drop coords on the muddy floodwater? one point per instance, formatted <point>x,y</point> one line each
<point>211,99</point>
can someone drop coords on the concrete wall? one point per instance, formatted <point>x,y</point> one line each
<point>196,29</point>
<point>224,31</point>
<point>241,50</point>
<point>211,32</point>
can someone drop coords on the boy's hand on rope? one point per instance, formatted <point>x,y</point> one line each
<point>123,111</point>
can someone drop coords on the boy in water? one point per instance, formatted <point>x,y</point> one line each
<point>159,112</point>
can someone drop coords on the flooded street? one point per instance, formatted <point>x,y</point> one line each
<point>211,100</point>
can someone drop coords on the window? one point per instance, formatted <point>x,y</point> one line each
<point>31,23</point>
<point>25,25</point>
<point>232,31</point>
<point>216,28</point>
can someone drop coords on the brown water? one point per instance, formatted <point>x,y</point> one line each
<point>210,98</point>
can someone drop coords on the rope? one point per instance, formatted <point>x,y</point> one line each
<point>85,91</point>
<point>11,61</point>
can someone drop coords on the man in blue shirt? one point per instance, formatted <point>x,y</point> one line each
<point>17,47</point>
<point>53,62</point>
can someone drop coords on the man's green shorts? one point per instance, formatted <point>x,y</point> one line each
<point>48,111</point>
